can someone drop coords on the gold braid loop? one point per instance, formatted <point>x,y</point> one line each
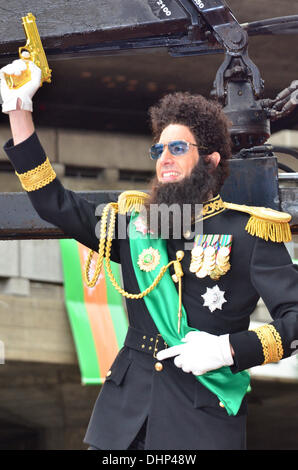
<point>101,250</point>
<point>105,245</point>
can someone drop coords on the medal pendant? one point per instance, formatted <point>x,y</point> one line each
<point>197,257</point>
<point>210,256</point>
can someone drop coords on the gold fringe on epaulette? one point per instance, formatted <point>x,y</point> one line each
<point>269,230</point>
<point>265,223</point>
<point>129,201</point>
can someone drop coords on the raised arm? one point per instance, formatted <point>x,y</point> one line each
<point>55,204</point>
<point>21,124</point>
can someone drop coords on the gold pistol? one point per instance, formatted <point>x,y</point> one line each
<point>32,51</point>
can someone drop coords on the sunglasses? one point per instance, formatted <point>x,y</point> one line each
<point>176,148</point>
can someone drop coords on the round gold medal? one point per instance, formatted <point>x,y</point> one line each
<point>149,259</point>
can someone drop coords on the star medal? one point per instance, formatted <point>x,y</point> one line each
<point>214,298</point>
<point>149,259</point>
<point>141,226</point>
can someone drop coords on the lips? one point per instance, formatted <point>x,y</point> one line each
<point>170,175</point>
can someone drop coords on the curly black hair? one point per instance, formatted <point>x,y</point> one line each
<point>206,120</point>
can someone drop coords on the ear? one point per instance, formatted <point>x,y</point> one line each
<point>214,158</point>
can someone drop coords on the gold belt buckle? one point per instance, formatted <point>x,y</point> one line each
<point>155,346</point>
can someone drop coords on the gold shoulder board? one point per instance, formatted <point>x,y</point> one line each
<point>265,223</point>
<point>131,200</point>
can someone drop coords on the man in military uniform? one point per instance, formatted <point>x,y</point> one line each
<point>180,380</point>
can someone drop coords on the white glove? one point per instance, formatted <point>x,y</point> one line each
<point>25,92</point>
<point>200,353</point>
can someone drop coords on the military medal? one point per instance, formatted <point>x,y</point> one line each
<point>196,259</point>
<point>209,259</point>
<point>210,256</point>
<point>222,263</point>
<point>214,298</point>
<point>149,259</point>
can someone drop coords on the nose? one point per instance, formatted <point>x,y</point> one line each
<point>166,155</point>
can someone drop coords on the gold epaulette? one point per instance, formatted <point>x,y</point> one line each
<point>265,223</point>
<point>131,200</point>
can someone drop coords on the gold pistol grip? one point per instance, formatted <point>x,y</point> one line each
<point>16,81</point>
<point>35,48</point>
<point>48,74</point>
<point>9,80</point>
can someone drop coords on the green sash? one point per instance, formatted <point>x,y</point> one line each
<point>162,304</point>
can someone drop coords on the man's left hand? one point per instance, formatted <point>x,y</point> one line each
<point>200,353</point>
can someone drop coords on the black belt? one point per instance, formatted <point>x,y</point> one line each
<point>144,342</point>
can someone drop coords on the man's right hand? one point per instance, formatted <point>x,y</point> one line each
<point>19,98</point>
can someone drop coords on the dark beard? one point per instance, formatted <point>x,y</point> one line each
<point>194,190</point>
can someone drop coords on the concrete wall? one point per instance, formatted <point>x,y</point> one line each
<point>286,138</point>
<point>104,151</point>
<point>47,400</point>
<point>31,259</point>
<point>109,153</point>
<point>35,327</point>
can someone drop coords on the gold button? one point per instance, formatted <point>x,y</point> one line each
<point>144,337</point>
<point>143,345</point>
<point>187,234</point>
<point>158,366</point>
<point>221,404</point>
<point>151,339</point>
<point>109,373</point>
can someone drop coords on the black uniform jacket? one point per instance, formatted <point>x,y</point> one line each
<point>182,414</point>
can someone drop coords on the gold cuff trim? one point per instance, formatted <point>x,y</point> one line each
<point>271,343</point>
<point>38,177</point>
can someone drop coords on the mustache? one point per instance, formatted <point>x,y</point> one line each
<point>195,189</point>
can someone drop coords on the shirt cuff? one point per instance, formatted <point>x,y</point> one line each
<point>26,155</point>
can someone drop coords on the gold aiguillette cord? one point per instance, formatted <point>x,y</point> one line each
<point>177,278</point>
